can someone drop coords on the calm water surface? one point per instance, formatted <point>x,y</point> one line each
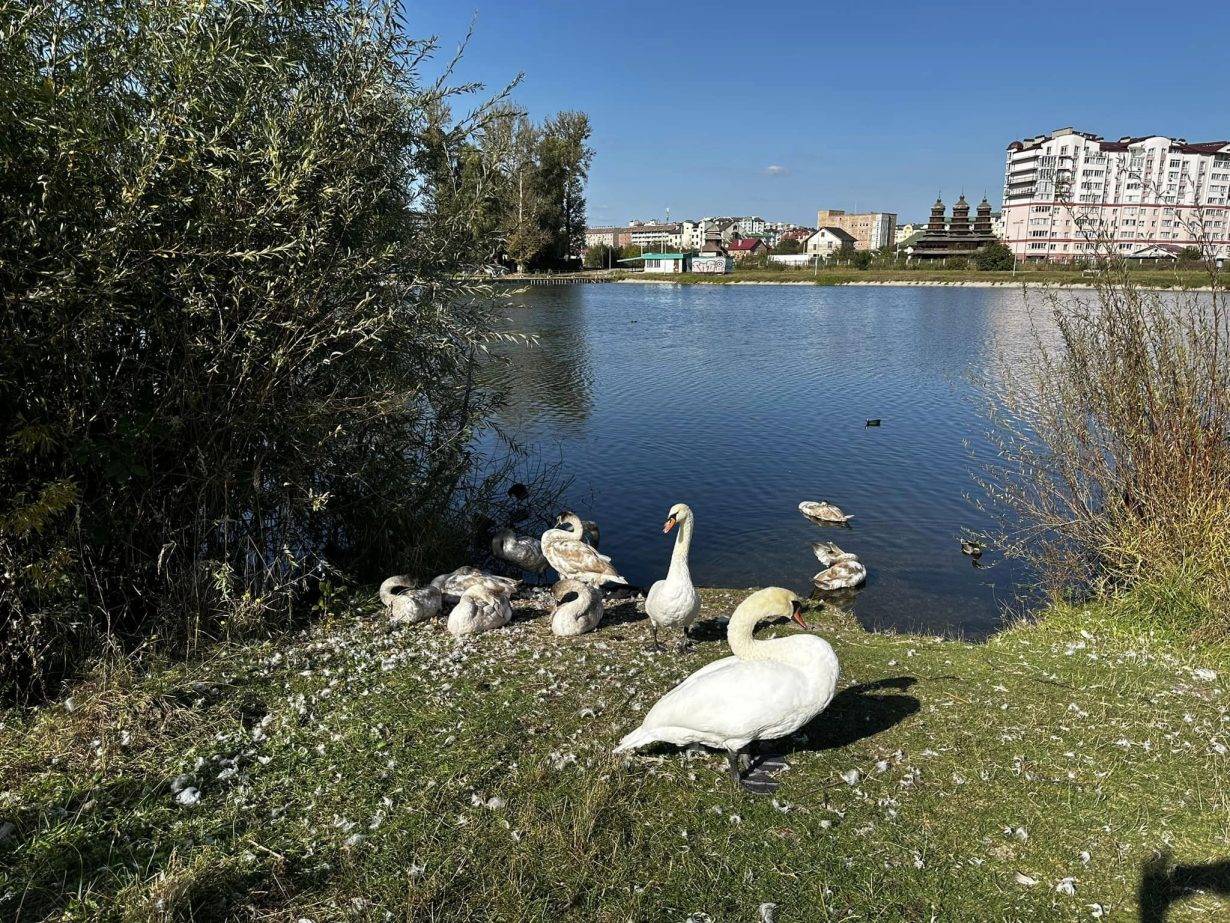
<point>744,400</point>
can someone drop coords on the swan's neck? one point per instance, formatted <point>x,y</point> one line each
<point>743,644</point>
<point>679,557</point>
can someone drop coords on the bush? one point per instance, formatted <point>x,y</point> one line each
<point>233,359</point>
<point>1113,442</point>
<point>602,256</point>
<point>861,259</point>
<point>994,257</point>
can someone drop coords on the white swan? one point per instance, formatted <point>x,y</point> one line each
<point>672,604</point>
<point>768,689</point>
<point>579,609</point>
<point>565,550</point>
<point>453,585</point>
<point>479,609</point>
<point>408,604</point>
<point>844,571</point>
<point>823,512</point>
<point>521,550</point>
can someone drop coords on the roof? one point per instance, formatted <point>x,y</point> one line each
<point>654,256</point>
<point>745,243</point>
<point>844,236</point>
<point>1162,251</point>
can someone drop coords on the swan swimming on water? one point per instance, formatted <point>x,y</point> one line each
<point>673,604</point>
<point>823,512</point>
<point>768,689</point>
<point>844,571</point>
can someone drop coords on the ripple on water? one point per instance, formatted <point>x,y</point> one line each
<point>742,401</point>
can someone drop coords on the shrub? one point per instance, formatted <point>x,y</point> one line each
<point>1113,441</point>
<point>994,257</point>
<point>233,356</point>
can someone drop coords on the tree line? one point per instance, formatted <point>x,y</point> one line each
<point>512,190</point>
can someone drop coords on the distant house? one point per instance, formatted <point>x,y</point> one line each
<point>1156,252</point>
<point>827,241</point>
<point>747,246</point>
<point>662,262</point>
<point>797,234</point>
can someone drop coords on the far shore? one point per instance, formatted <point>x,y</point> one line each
<point>895,283</point>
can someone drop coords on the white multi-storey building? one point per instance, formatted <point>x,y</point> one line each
<point>751,226</point>
<point>1071,195</point>
<point>650,234</point>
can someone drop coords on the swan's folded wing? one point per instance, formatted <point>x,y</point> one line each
<point>734,699</point>
<point>578,557</point>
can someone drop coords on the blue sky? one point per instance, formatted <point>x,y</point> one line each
<point>779,108</point>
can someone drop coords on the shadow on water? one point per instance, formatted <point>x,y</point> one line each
<point>1163,884</point>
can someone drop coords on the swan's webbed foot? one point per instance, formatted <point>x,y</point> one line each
<point>686,644</point>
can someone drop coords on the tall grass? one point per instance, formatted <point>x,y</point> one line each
<point>1113,442</point>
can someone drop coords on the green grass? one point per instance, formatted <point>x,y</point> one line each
<point>1149,278</point>
<point>366,760</point>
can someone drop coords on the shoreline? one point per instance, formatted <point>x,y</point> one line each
<point>906,283</point>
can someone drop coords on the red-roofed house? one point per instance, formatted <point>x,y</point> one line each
<point>746,246</point>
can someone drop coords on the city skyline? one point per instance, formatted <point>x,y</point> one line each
<point>715,111</point>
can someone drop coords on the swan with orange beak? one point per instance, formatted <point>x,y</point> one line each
<point>765,690</point>
<point>673,604</point>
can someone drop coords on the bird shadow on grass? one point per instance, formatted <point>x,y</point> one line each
<point>1163,884</point>
<point>856,713</point>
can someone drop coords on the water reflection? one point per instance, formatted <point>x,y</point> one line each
<point>742,401</point>
<point>553,378</point>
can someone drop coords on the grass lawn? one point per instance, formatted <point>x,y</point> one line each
<point>1063,771</point>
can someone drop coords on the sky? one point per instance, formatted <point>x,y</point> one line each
<point>779,108</point>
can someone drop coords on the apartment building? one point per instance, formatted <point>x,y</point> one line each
<point>693,234</point>
<point>608,237</point>
<point>870,230</point>
<point>1070,194</point>
<point>650,234</point>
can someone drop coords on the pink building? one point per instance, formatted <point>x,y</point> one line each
<point>1071,195</point>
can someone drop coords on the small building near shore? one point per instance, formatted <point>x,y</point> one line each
<point>662,262</point>
<point>712,263</point>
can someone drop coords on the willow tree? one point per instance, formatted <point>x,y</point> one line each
<point>234,357</point>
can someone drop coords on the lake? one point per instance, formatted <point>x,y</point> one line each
<point>744,400</point>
